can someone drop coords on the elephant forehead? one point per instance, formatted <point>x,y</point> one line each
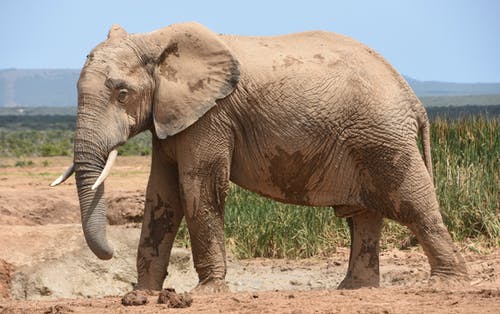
<point>111,53</point>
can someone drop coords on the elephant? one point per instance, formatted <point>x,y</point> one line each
<point>312,118</point>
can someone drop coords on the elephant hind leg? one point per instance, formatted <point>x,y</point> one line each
<point>365,228</point>
<point>422,216</point>
<point>444,258</point>
<point>412,202</point>
<point>419,210</point>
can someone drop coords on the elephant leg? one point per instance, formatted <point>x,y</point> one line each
<point>204,190</point>
<point>447,264</point>
<point>404,191</point>
<point>162,217</point>
<point>363,270</point>
<point>420,212</point>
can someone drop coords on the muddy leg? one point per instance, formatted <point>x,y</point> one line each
<point>204,198</point>
<point>162,216</point>
<point>419,210</point>
<point>363,268</point>
<point>444,258</point>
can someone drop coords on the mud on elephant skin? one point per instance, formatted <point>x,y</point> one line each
<point>337,121</point>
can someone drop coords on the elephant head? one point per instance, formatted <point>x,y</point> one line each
<point>164,81</point>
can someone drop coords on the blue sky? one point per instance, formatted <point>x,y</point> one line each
<point>446,40</point>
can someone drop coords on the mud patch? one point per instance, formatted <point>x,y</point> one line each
<point>172,299</point>
<point>6,271</point>
<point>58,309</point>
<point>292,173</point>
<point>489,293</point>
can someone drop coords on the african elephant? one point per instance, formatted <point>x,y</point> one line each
<point>313,118</point>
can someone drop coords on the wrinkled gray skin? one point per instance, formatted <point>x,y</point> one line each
<point>312,118</point>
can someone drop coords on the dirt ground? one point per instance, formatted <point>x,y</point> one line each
<point>46,268</point>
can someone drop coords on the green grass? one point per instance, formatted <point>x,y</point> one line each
<point>59,142</point>
<point>466,158</point>
<point>31,143</point>
<point>256,227</point>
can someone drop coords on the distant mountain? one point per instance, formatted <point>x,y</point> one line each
<point>433,88</point>
<point>29,88</point>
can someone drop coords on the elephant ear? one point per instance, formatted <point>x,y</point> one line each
<point>195,69</point>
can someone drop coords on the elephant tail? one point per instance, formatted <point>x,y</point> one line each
<point>425,129</point>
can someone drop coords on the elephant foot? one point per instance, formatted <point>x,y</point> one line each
<point>447,280</point>
<point>353,282</point>
<point>210,286</point>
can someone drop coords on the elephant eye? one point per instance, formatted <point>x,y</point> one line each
<point>122,95</point>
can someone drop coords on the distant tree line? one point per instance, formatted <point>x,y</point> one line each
<point>38,123</point>
<point>454,113</point>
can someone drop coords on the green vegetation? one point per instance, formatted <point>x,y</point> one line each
<point>46,143</point>
<point>460,101</point>
<point>457,112</point>
<point>466,158</point>
<point>257,227</point>
<point>28,143</point>
<point>139,145</point>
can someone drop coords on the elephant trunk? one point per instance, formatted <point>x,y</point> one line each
<point>93,213</point>
<point>90,152</point>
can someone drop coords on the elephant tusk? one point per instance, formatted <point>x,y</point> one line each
<point>64,176</point>
<point>107,168</point>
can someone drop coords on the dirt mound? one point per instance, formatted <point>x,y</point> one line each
<point>125,208</point>
<point>37,207</point>
<point>48,207</point>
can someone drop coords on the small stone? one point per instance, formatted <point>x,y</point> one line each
<point>136,297</point>
<point>173,299</point>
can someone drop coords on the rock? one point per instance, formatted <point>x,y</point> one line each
<point>172,299</point>
<point>136,297</point>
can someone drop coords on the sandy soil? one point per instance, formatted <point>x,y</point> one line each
<point>41,243</point>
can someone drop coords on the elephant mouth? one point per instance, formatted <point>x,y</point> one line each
<point>103,175</point>
<point>107,169</point>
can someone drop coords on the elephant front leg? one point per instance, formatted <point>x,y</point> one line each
<point>204,198</point>
<point>162,217</point>
<point>363,270</point>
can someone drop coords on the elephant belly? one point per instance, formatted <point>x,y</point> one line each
<point>296,177</point>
